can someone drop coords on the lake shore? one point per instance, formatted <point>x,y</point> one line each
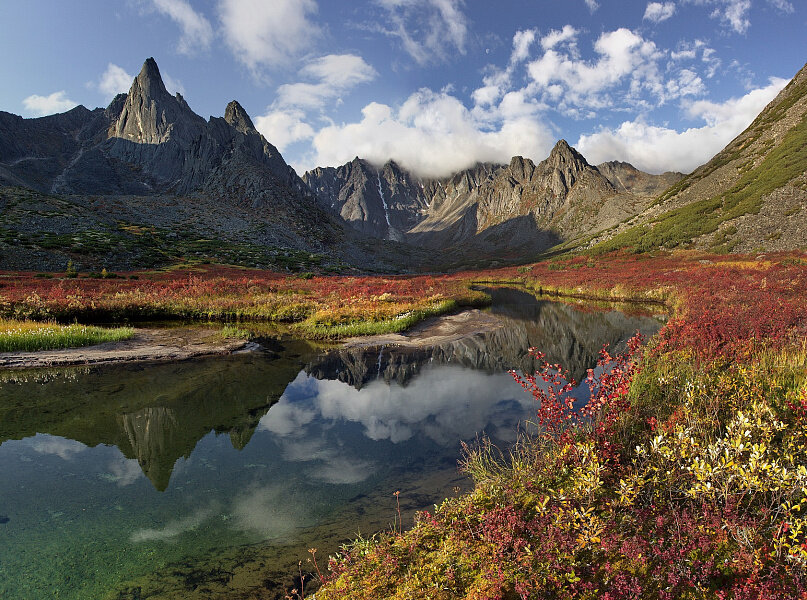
<point>183,343</point>
<point>147,345</point>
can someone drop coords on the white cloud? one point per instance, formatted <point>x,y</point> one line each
<point>334,75</point>
<point>522,40</point>
<point>339,70</point>
<point>783,6</point>
<point>429,30</point>
<point>731,13</point>
<point>624,58</point>
<point>556,37</point>
<point>267,34</point>
<point>658,12</point>
<point>497,82</point>
<point>115,80</point>
<point>196,29</point>
<point>686,84</point>
<point>434,134</point>
<point>592,5</point>
<point>656,149</point>
<point>40,106</point>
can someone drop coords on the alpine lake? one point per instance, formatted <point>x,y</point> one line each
<point>212,478</point>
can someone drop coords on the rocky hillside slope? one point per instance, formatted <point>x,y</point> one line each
<point>147,181</point>
<point>752,196</point>
<point>489,209</point>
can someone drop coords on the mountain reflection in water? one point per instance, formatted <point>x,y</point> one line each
<point>286,446</point>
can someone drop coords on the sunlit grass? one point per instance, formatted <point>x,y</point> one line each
<point>395,324</point>
<point>30,336</point>
<point>233,332</point>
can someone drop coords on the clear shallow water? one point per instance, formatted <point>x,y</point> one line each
<point>211,478</point>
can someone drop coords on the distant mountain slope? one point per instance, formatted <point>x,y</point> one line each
<point>751,196</point>
<point>489,209</point>
<point>218,184</point>
<point>145,142</point>
<point>381,202</point>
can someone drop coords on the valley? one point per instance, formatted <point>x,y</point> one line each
<point>616,360</point>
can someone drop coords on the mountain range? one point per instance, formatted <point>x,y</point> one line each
<point>146,181</point>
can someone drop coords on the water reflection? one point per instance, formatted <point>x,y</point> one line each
<point>129,471</point>
<point>568,335</point>
<point>154,414</point>
<point>445,403</point>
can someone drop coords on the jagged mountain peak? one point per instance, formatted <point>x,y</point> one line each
<point>149,81</point>
<point>521,168</point>
<point>150,115</point>
<point>236,116</point>
<point>564,154</point>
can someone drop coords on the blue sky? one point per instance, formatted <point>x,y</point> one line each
<point>434,84</point>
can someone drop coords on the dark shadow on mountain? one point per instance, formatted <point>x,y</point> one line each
<point>515,241</point>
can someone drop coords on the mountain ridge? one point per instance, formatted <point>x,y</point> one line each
<point>535,204</point>
<point>224,192</point>
<point>163,166</point>
<point>751,196</point>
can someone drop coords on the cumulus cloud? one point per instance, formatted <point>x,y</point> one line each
<point>624,57</point>
<point>434,134</point>
<point>115,80</point>
<point>284,127</point>
<point>197,33</point>
<point>429,30</point>
<point>556,37</point>
<point>656,149</point>
<point>332,76</point>
<point>522,40</point>
<point>267,34</point>
<point>592,5</point>
<point>397,413</point>
<point>658,11</point>
<point>56,102</point>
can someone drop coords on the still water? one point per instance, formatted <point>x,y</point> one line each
<point>211,478</point>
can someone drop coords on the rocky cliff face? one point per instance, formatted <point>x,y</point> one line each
<point>382,202</point>
<point>145,142</point>
<point>519,207</point>
<point>627,178</point>
<point>149,153</point>
<point>751,197</point>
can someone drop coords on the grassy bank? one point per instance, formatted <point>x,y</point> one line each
<point>30,336</point>
<point>317,306</point>
<point>686,477</point>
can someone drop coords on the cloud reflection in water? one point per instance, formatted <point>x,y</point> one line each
<point>445,404</point>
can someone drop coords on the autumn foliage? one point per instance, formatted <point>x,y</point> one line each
<point>684,476</point>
